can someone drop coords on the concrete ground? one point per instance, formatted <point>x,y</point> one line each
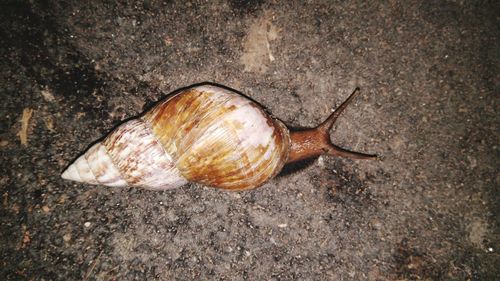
<point>429,73</point>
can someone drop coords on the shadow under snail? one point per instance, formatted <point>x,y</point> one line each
<point>206,134</point>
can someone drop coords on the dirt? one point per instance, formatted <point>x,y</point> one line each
<point>429,73</point>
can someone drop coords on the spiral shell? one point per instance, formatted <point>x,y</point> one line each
<point>206,134</point>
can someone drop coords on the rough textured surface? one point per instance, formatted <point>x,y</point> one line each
<point>429,72</point>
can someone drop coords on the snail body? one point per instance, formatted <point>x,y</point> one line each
<point>205,134</point>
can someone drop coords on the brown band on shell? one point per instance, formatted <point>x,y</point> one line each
<point>202,129</point>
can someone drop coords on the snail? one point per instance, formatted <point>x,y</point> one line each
<point>207,134</point>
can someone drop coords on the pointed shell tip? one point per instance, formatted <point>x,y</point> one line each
<point>71,173</point>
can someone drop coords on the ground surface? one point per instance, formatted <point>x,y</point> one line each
<point>430,80</point>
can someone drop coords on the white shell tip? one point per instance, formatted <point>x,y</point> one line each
<point>94,167</point>
<point>80,171</point>
<point>71,173</point>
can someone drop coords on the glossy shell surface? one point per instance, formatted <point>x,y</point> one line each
<point>205,134</point>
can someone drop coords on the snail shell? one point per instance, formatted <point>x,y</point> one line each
<point>205,134</point>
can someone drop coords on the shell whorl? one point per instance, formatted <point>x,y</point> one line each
<point>220,138</point>
<point>94,167</point>
<point>128,156</point>
<point>205,134</point>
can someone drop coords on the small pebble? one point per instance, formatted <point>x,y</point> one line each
<point>86,224</point>
<point>376,224</point>
<point>321,162</point>
<point>67,237</point>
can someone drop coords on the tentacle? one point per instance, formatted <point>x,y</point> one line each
<point>339,151</point>
<point>328,123</point>
<point>326,126</point>
<point>314,142</point>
